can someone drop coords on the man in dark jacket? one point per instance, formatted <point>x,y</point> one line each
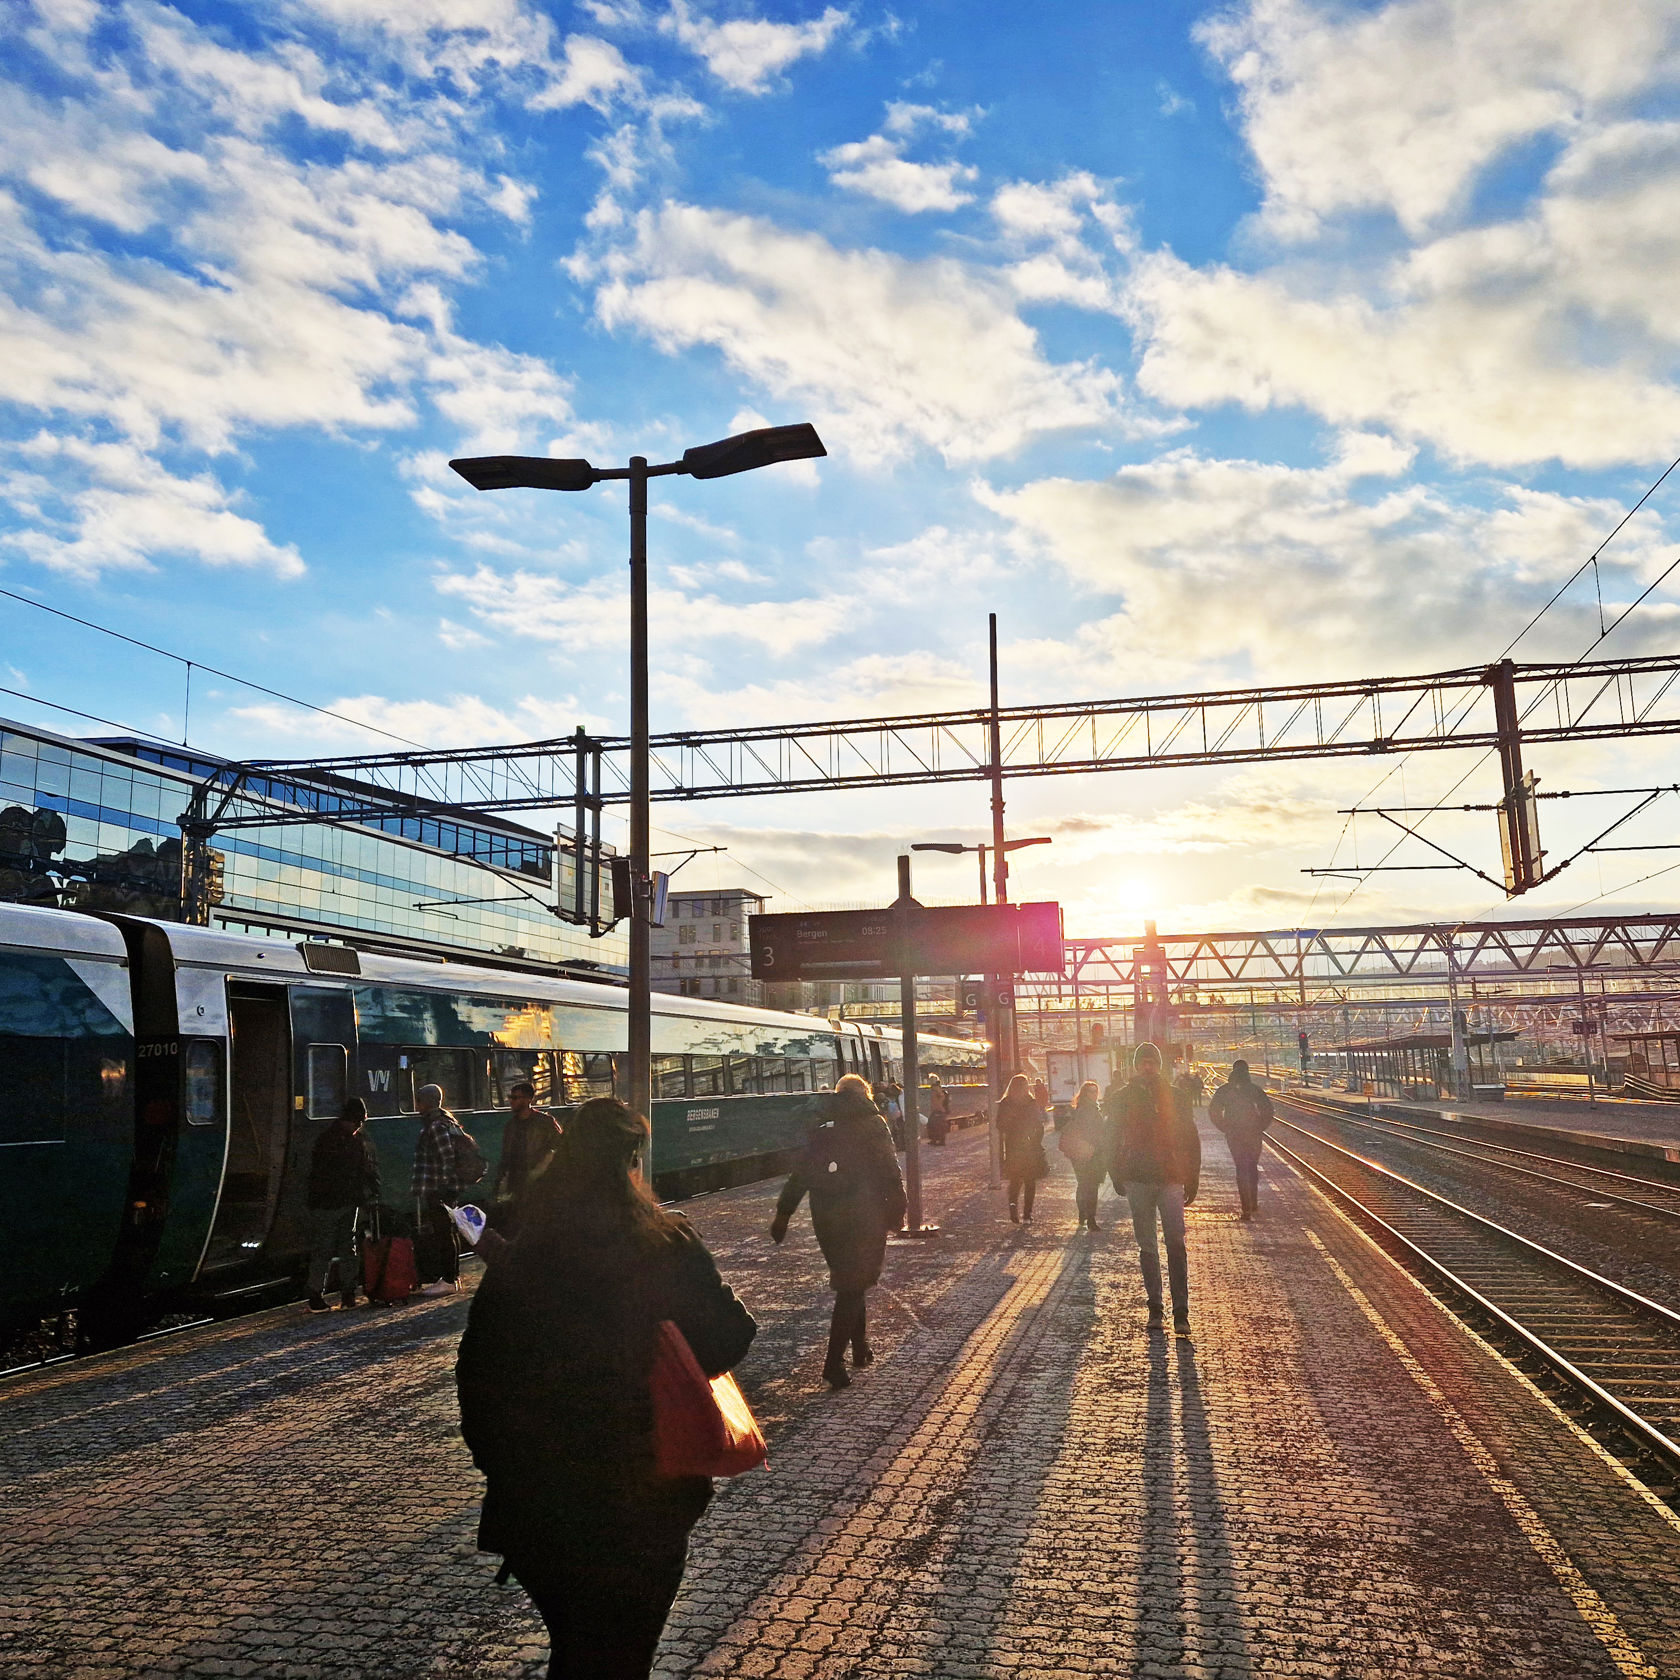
<point>1243,1111</point>
<point>343,1178</point>
<point>850,1170</point>
<point>1158,1158</point>
<point>530,1142</point>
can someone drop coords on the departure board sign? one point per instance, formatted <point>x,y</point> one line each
<point>912,939</point>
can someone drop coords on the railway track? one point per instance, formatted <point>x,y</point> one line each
<point>1633,1192</point>
<point>1614,1351</point>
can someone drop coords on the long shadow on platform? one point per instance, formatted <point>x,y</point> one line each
<point>1188,1597</point>
<point>977,1546</point>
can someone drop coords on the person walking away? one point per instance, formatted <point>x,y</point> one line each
<point>447,1164</point>
<point>1158,1156</point>
<point>1242,1110</point>
<point>1084,1140</point>
<point>553,1380</point>
<point>939,1112</point>
<point>850,1171</point>
<point>530,1143</point>
<point>1190,1087</point>
<point>343,1179</point>
<point>1021,1127</point>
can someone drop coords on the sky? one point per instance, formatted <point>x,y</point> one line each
<point>1205,344</point>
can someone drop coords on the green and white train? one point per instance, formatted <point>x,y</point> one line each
<point>162,1087</point>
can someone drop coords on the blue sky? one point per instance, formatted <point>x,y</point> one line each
<point>1205,344</point>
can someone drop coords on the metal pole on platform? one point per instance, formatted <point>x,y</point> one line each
<point>640,1037</point>
<point>1000,1024</point>
<point>914,1224</point>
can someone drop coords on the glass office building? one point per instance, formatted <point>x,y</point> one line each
<point>96,825</point>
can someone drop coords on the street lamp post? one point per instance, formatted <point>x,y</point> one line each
<point>743,452</point>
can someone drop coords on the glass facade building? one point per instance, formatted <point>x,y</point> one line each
<point>96,825</point>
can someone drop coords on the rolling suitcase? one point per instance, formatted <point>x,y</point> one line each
<point>388,1268</point>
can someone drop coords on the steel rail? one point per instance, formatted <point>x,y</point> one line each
<point>1401,1132</point>
<point>1641,1428</point>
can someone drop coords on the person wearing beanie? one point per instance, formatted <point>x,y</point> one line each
<point>1158,1157</point>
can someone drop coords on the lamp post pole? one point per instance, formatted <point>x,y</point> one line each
<point>744,452</point>
<point>639,1040</point>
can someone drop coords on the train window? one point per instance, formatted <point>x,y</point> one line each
<point>749,1076</point>
<point>327,1079</point>
<point>201,1077</point>
<point>705,1076</point>
<point>586,1075</point>
<point>670,1076</point>
<point>513,1067</point>
<point>463,1075</point>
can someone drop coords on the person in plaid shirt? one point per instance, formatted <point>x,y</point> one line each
<point>439,1156</point>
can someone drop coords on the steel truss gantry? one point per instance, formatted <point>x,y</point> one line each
<point>1297,962</point>
<point>1367,716</point>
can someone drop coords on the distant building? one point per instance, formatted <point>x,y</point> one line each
<point>702,949</point>
<point>95,825</point>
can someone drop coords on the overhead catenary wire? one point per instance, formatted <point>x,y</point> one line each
<point>191,664</point>
<point>1591,560</point>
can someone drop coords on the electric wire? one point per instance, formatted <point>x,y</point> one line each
<point>1604,634</point>
<point>198,664</point>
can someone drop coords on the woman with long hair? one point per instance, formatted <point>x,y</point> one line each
<point>1021,1126</point>
<point>553,1379</point>
<point>851,1174</point>
<point>1084,1140</point>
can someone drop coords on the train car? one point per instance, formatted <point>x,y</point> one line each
<point>195,1069</point>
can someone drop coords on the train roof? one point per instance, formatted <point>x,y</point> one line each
<point>60,931</point>
<point>218,948</point>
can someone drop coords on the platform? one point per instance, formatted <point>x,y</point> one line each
<point>1623,1127</point>
<point>1334,1480</point>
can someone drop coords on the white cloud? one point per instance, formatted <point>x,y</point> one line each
<point>1064,234</point>
<point>888,350</point>
<point>1278,571</point>
<point>580,618</point>
<point>594,73</point>
<point>1530,327</point>
<point>745,53</point>
<point>100,507</point>
<point>878,168</point>
<point>1400,107</point>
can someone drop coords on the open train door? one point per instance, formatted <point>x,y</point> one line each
<point>259,1122</point>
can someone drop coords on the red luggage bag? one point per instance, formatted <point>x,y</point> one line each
<point>388,1268</point>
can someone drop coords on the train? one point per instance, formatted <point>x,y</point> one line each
<point>162,1087</point>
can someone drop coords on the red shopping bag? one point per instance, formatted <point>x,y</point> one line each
<point>702,1426</point>
<point>388,1269</point>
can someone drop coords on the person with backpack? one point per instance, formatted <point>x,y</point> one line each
<point>1158,1157</point>
<point>1084,1140</point>
<point>555,1384</point>
<point>343,1179</point>
<point>1243,1111</point>
<point>850,1170</point>
<point>447,1163</point>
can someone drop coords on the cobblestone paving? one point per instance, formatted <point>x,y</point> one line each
<point>1335,1480</point>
